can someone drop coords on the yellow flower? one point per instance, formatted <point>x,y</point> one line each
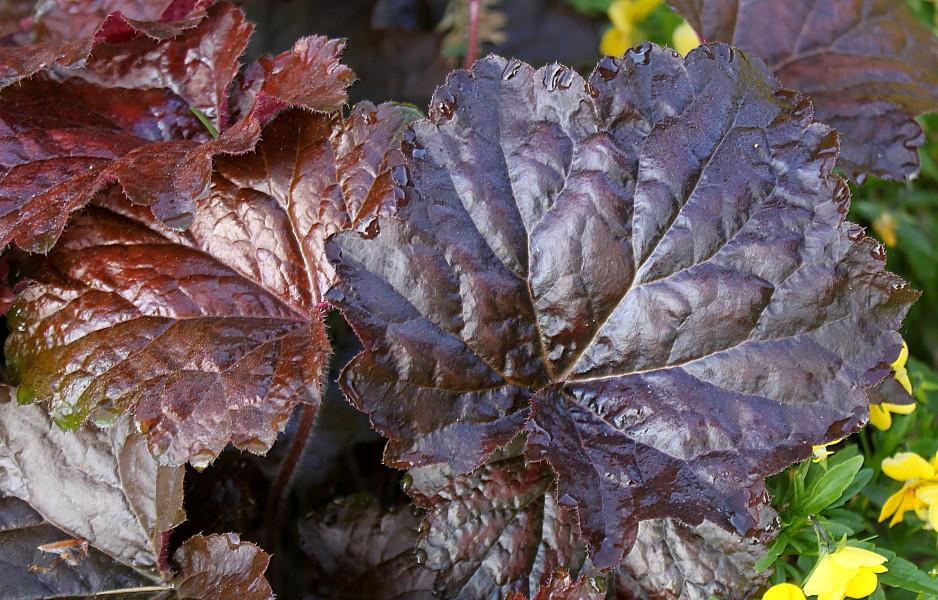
<point>821,452</point>
<point>848,572</point>
<point>919,491</point>
<point>624,34</point>
<point>784,591</point>
<point>885,227</point>
<point>684,39</point>
<point>880,414</point>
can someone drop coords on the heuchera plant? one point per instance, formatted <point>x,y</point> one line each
<point>596,311</point>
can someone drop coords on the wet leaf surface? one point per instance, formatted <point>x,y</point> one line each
<point>360,551</point>
<point>99,485</point>
<point>213,335</point>
<point>563,587</point>
<point>221,567</point>
<point>496,531</point>
<point>126,118</point>
<point>651,270</point>
<point>672,561</point>
<point>869,66</point>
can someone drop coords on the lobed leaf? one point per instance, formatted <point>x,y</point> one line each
<point>220,567</point>
<point>869,66</point>
<point>498,530</point>
<point>650,269</point>
<point>126,117</point>
<point>213,335</point>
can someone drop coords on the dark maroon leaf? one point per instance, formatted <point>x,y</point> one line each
<point>656,261</point>
<point>361,552</point>
<point>221,567</point>
<point>135,501</point>
<point>64,33</point>
<point>498,530</point>
<point>213,335</point>
<point>563,587</point>
<point>126,118</point>
<point>890,391</point>
<point>23,530</point>
<point>869,66</point>
<point>672,561</point>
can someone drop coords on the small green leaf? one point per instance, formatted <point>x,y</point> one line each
<point>204,120</point>
<point>905,575</point>
<point>828,488</point>
<point>860,480</point>
<point>778,546</point>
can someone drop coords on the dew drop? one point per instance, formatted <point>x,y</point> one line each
<point>421,555</point>
<point>855,233</point>
<point>371,116</point>
<point>400,175</point>
<point>878,252</point>
<point>608,68</point>
<point>641,54</point>
<point>372,230</point>
<point>445,103</point>
<point>568,501</point>
<point>785,95</point>
<point>201,459</point>
<point>598,583</point>
<point>591,90</point>
<point>407,482</point>
<point>560,573</point>
<point>254,446</point>
<point>803,109</point>
<point>511,69</point>
<point>860,178</point>
<point>610,553</point>
<point>41,244</point>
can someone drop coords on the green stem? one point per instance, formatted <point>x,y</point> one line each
<point>208,124</point>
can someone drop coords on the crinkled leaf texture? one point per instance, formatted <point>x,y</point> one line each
<point>99,485</point>
<point>495,531</point>
<point>651,269</point>
<point>214,334</point>
<point>360,551</point>
<point>125,117</point>
<point>869,66</point>
<point>221,567</point>
<point>675,561</point>
<point>562,587</point>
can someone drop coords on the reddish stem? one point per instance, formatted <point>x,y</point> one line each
<point>472,47</point>
<point>277,496</point>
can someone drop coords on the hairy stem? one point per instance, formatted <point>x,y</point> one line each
<point>472,47</point>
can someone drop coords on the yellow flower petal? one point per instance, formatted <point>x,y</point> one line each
<point>835,593</point>
<point>880,418</point>
<point>901,374</point>
<point>902,409</point>
<point>907,465</point>
<point>615,42</point>
<point>828,574</point>
<point>784,591</point>
<point>891,506</point>
<point>903,357</point>
<point>684,39</point>
<point>933,516</point>
<point>885,227</point>
<point>862,585</point>
<point>927,493</point>
<point>854,558</point>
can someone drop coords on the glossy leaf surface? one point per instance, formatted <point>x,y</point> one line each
<point>215,334</point>
<point>135,501</point>
<point>360,551</point>
<point>563,587</point>
<point>671,560</point>
<point>126,117</point>
<point>651,269</point>
<point>495,531</point>
<point>869,66</point>
<point>220,567</point>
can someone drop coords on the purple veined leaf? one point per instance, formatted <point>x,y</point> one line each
<point>136,503</point>
<point>221,567</point>
<point>498,530</point>
<point>651,269</point>
<point>23,530</point>
<point>215,334</point>
<point>562,587</point>
<point>869,66</point>
<point>674,560</point>
<point>127,118</point>
<point>64,33</point>
<point>360,551</point>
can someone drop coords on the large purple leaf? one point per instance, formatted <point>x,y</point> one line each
<point>655,261</point>
<point>135,502</point>
<point>126,117</point>
<point>869,66</point>
<point>221,567</point>
<point>495,531</point>
<point>214,334</point>
<point>64,33</point>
